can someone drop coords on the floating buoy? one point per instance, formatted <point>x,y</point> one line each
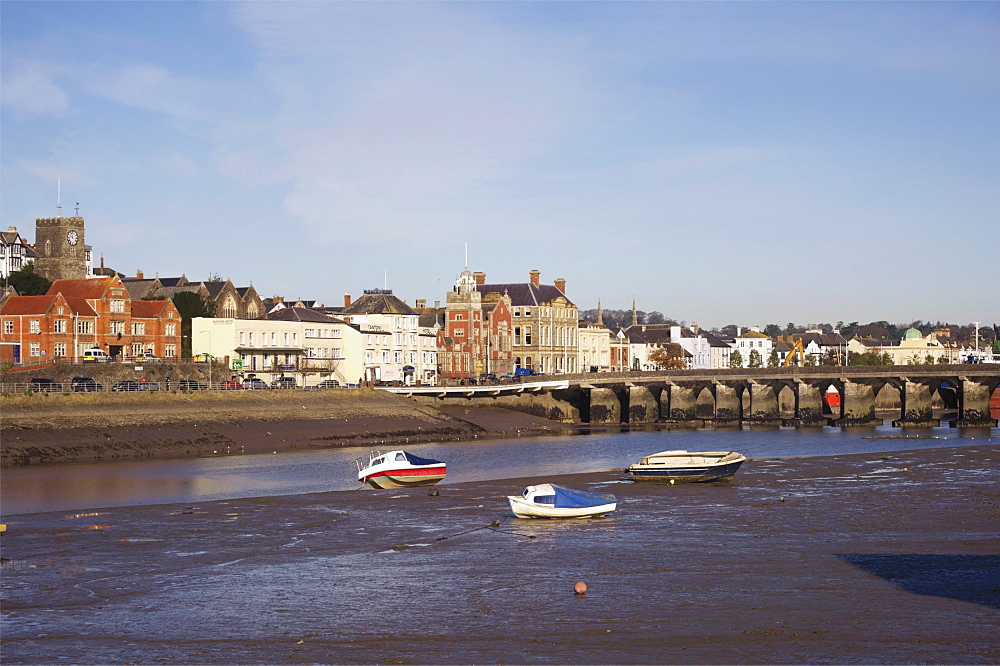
<point>580,587</point>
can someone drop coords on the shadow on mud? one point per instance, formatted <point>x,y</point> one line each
<point>971,578</point>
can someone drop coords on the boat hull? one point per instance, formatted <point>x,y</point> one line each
<point>407,478</point>
<point>703,474</point>
<point>523,509</point>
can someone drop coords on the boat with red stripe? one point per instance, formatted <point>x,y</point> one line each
<point>399,469</point>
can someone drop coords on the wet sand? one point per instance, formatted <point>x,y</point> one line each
<point>874,558</point>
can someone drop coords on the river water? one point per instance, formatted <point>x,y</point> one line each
<point>78,487</point>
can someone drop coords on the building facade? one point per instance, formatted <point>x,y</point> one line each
<point>544,323</point>
<point>409,354</point>
<point>476,337</point>
<point>81,314</point>
<point>304,344</point>
<point>14,252</point>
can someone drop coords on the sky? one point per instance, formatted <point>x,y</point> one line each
<point>718,162</point>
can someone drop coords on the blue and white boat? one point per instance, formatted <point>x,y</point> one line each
<point>687,466</point>
<point>549,500</point>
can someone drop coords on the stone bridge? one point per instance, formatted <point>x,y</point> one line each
<point>733,397</point>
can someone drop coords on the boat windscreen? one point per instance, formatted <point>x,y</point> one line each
<point>568,498</point>
<point>417,460</point>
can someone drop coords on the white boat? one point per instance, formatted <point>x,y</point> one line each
<point>399,469</point>
<point>687,466</point>
<point>549,500</point>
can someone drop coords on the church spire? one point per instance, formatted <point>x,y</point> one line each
<point>600,314</point>
<point>635,317</point>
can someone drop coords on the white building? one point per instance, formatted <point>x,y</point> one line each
<point>751,341</point>
<point>396,347</point>
<point>307,345</point>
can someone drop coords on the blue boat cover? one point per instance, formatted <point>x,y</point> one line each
<point>568,498</point>
<point>417,460</point>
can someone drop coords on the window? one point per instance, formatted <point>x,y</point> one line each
<point>397,338</point>
<point>170,351</point>
<point>36,349</point>
<point>370,356</point>
<point>397,356</point>
<point>413,358</point>
<point>517,336</point>
<point>459,332</point>
<point>310,333</point>
<point>8,326</point>
<point>59,326</point>
<point>243,338</point>
<point>459,317</point>
<point>117,305</point>
<point>413,339</point>
<point>337,353</point>
<point>286,339</point>
<point>170,329</point>
<point>138,328</point>
<point>295,339</point>
<point>118,327</point>
<point>527,335</point>
<point>85,326</point>
<point>59,349</point>
<point>385,355</point>
<point>335,333</point>
<point>274,338</point>
<point>251,338</point>
<point>34,326</point>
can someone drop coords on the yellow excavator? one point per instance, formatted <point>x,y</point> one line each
<point>796,349</point>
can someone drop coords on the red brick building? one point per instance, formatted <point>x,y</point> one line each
<point>76,315</point>
<point>476,337</point>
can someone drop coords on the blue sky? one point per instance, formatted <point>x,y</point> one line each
<point>720,162</point>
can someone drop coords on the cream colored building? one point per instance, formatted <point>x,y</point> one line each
<point>595,347</point>
<point>310,349</point>
<point>914,349</point>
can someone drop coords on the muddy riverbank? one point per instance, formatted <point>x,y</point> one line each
<point>82,428</point>
<point>869,558</point>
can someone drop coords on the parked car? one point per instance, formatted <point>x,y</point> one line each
<point>254,384</point>
<point>95,355</point>
<point>130,385</point>
<point>284,383</point>
<point>147,358</point>
<point>203,358</point>
<point>120,387</point>
<point>328,383</point>
<point>230,385</point>
<point>85,385</point>
<point>44,385</point>
<point>192,385</point>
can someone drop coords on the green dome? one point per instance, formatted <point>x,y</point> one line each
<point>913,334</point>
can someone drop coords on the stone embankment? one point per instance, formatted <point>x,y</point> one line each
<point>93,427</point>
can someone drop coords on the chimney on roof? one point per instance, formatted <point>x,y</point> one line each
<point>279,299</point>
<point>755,329</point>
<point>739,331</point>
<point>561,284</point>
<point>694,327</point>
<point>420,303</point>
<point>675,333</point>
<point>535,277</point>
<point>12,230</point>
<point>480,277</point>
<point>138,275</point>
<point>347,300</point>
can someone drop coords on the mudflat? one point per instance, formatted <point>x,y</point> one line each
<point>869,558</point>
<point>94,427</point>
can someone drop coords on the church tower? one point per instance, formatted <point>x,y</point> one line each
<point>59,248</point>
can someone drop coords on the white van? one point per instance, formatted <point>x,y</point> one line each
<point>95,356</point>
